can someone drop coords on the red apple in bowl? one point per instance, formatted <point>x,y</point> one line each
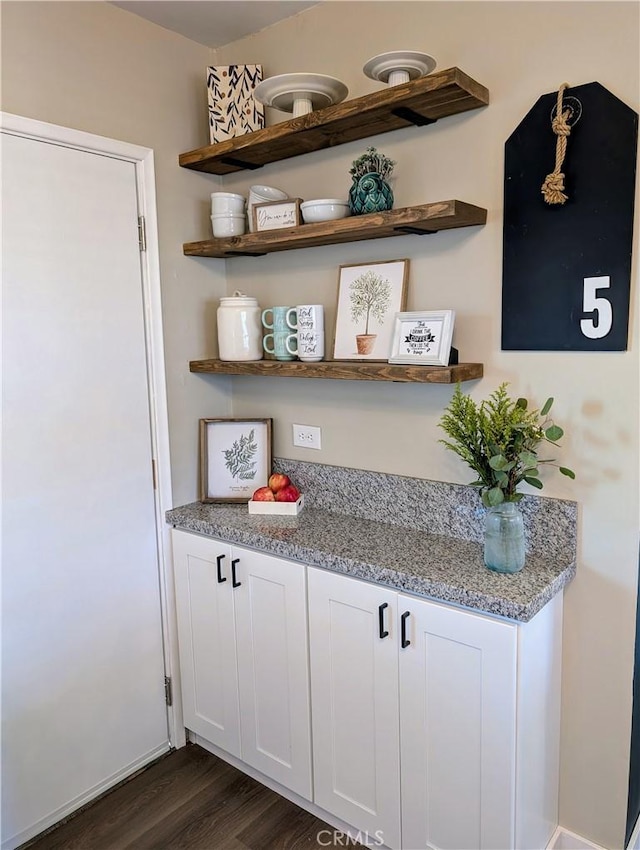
<point>288,494</point>
<point>278,481</point>
<point>263,494</point>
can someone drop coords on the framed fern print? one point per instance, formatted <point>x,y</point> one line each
<point>235,458</point>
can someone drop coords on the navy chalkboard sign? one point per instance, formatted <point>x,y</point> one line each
<point>567,267</point>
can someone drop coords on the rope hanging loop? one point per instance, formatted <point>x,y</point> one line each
<point>553,186</point>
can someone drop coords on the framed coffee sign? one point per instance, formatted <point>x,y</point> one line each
<point>422,337</point>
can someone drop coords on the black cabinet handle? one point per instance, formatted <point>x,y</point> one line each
<point>381,629</point>
<point>234,583</point>
<point>221,578</point>
<point>404,642</point>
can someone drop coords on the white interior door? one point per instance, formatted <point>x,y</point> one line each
<point>83,674</point>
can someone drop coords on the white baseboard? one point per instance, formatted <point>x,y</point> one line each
<point>340,827</point>
<point>77,803</point>
<point>564,839</point>
<point>634,841</point>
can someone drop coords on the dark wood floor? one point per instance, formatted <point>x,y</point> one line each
<point>190,799</point>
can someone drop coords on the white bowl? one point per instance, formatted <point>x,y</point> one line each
<point>266,193</point>
<point>324,209</point>
<point>227,195</point>
<point>227,202</point>
<point>262,195</point>
<point>227,224</point>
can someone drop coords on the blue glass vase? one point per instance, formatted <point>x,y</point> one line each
<point>370,193</point>
<point>504,538</point>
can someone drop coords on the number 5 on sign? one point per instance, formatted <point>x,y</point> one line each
<point>600,325</point>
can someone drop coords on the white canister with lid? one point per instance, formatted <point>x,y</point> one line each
<point>239,328</point>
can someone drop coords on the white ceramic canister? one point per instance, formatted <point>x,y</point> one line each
<point>239,328</point>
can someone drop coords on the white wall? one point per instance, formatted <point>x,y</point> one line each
<point>519,51</point>
<point>95,67</point>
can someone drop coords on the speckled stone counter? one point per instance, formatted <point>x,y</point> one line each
<point>432,547</point>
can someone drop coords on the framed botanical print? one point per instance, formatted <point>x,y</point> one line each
<point>235,458</point>
<point>369,296</point>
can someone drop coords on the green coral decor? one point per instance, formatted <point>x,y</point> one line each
<point>499,439</point>
<point>370,191</point>
<point>372,162</point>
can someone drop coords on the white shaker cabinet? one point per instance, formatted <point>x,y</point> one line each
<point>433,727</point>
<point>354,689</point>
<point>207,639</point>
<point>242,631</point>
<point>457,728</point>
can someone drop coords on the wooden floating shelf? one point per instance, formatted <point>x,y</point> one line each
<point>343,370</point>
<point>418,102</point>
<point>423,220</point>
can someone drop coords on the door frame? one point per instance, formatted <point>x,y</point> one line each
<point>143,161</point>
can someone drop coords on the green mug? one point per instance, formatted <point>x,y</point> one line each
<point>279,339</point>
<point>278,319</point>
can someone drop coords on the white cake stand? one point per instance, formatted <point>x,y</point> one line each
<point>399,66</point>
<point>300,93</point>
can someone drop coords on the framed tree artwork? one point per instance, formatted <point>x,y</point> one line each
<point>235,458</point>
<point>369,296</point>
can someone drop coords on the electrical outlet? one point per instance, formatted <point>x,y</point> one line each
<point>307,436</point>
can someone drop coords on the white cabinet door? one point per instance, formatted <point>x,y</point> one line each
<point>457,729</point>
<point>354,686</point>
<point>206,635</point>
<point>273,667</point>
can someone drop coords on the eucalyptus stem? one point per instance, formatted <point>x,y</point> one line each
<point>499,440</point>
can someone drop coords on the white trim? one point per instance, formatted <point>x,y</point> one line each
<point>73,805</point>
<point>564,839</point>
<point>142,158</point>
<point>634,841</point>
<point>29,128</point>
<point>150,262</point>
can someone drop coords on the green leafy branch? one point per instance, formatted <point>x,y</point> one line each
<point>239,458</point>
<point>499,440</point>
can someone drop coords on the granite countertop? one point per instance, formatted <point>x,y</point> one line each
<point>414,560</point>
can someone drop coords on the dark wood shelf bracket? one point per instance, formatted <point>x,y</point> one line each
<point>418,231</point>
<point>240,164</point>
<point>412,117</point>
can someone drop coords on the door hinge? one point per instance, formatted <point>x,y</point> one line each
<point>168,693</point>
<point>142,233</point>
<point>153,473</point>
